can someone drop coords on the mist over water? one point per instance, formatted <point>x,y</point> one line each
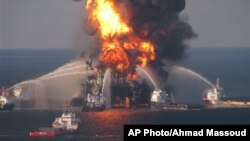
<point>54,89</point>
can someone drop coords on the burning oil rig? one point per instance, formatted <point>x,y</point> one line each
<point>132,34</point>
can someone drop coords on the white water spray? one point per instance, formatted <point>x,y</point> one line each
<point>41,93</point>
<point>186,70</point>
<point>62,71</point>
<point>106,90</point>
<point>38,80</point>
<point>139,69</point>
<point>27,82</point>
<point>65,74</point>
<point>74,67</point>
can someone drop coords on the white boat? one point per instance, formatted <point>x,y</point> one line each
<point>161,97</point>
<point>215,98</point>
<point>6,102</point>
<point>67,122</point>
<point>161,100</point>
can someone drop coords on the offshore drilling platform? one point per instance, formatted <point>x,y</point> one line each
<point>132,34</point>
<point>124,92</point>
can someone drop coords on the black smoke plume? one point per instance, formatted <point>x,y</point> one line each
<point>159,22</point>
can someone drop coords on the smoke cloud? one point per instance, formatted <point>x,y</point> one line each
<point>157,21</point>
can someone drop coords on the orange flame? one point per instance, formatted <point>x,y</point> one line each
<point>117,37</point>
<point>109,21</point>
<point>131,76</point>
<point>113,55</point>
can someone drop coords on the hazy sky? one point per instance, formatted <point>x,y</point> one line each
<point>220,23</point>
<point>41,23</point>
<point>58,23</point>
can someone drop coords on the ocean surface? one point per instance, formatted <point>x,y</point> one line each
<point>108,125</point>
<point>231,65</point>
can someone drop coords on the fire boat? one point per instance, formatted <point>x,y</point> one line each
<point>67,123</point>
<point>44,132</point>
<point>162,100</point>
<point>215,98</point>
<point>6,103</point>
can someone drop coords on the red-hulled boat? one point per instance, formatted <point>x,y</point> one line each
<point>68,123</point>
<point>42,134</point>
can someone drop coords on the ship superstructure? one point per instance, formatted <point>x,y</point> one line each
<point>67,122</point>
<point>215,98</point>
<point>164,100</point>
<point>94,99</point>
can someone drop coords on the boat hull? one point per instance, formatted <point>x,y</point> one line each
<point>51,132</point>
<point>87,107</point>
<point>42,134</point>
<point>229,104</point>
<point>170,107</point>
<point>7,107</point>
